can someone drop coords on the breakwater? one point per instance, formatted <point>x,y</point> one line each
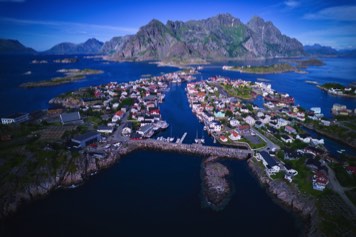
<point>241,153</point>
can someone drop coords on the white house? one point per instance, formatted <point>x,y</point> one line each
<point>304,138</point>
<point>269,162</point>
<point>216,126</point>
<point>287,139</point>
<point>249,120</point>
<point>105,129</point>
<point>282,122</point>
<point>234,123</point>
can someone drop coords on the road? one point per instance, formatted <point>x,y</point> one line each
<point>336,187</point>
<point>269,145</point>
<point>117,135</point>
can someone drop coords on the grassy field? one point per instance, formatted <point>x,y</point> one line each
<point>343,177</point>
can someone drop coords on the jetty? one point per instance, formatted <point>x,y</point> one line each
<point>182,139</point>
<point>239,153</point>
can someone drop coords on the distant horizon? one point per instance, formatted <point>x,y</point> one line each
<point>41,24</point>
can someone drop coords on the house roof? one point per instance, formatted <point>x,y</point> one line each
<point>70,117</point>
<point>86,136</point>
<point>269,159</point>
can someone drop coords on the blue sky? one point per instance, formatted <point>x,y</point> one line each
<point>42,23</point>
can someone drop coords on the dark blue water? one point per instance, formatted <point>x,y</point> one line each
<point>154,194</point>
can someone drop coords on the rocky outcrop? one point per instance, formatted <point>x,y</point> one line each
<point>289,195</point>
<point>216,189</point>
<point>286,193</point>
<point>217,38</point>
<point>75,171</point>
<point>67,102</point>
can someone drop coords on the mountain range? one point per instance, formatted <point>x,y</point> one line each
<point>222,37</point>
<point>91,46</point>
<point>216,38</point>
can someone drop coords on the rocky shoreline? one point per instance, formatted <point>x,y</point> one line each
<point>341,95</point>
<point>67,102</point>
<point>331,136</point>
<point>216,189</point>
<point>290,196</point>
<point>84,167</point>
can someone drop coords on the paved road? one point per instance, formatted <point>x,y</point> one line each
<point>269,145</point>
<point>335,185</point>
<point>117,135</point>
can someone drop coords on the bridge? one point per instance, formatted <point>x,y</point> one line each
<point>241,153</point>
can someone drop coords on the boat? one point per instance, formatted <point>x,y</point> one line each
<point>341,151</point>
<point>162,124</point>
<point>171,139</point>
<point>312,82</point>
<point>214,140</point>
<point>202,140</point>
<point>197,140</point>
<point>28,73</point>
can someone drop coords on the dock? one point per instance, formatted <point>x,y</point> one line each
<point>182,139</point>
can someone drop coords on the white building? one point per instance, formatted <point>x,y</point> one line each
<point>250,121</point>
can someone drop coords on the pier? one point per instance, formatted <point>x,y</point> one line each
<point>182,139</point>
<point>241,153</point>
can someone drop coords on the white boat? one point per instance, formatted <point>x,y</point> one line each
<point>341,151</point>
<point>214,140</point>
<point>171,139</point>
<point>162,124</point>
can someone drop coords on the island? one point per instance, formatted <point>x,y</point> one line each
<point>275,68</point>
<point>339,90</point>
<point>309,62</point>
<point>70,75</point>
<point>215,186</point>
<point>36,61</point>
<point>66,60</point>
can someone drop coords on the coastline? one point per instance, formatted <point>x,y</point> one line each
<point>340,95</point>
<point>331,136</point>
<point>263,73</point>
<point>288,196</point>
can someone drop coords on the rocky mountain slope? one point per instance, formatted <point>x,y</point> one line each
<point>9,46</point>
<point>216,38</point>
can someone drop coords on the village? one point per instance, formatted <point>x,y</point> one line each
<point>274,132</point>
